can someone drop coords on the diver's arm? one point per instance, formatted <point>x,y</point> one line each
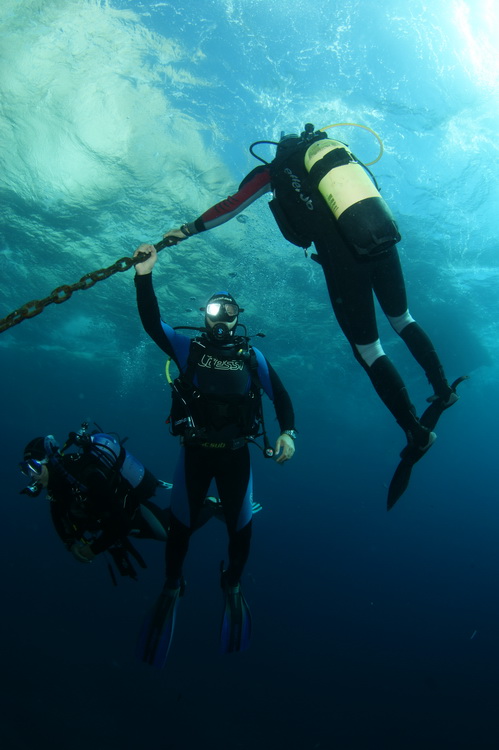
<point>282,402</point>
<point>113,509</point>
<point>61,525</point>
<point>73,542</point>
<point>285,444</point>
<point>172,343</point>
<point>273,387</point>
<point>254,185</point>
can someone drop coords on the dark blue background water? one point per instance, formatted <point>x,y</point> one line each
<point>363,621</point>
<point>372,631</point>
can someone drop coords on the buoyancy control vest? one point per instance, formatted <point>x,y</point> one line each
<point>202,417</point>
<point>322,175</point>
<point>293,206</point>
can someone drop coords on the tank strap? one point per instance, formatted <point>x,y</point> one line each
<point>106,456</point>
<point>193,359</point>
<point>338,157</point>
<point>253,367</point>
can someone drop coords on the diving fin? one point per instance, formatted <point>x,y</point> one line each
<point>235,631</point>
<point>157,630</point>
<point>412,454</point>
<point>400,481</point>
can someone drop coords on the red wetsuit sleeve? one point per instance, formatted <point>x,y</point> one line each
<point>256,184</point>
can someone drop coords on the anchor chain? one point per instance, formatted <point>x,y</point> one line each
<point>64,292</point>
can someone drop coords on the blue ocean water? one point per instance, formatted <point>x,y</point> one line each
<point>120,120</point>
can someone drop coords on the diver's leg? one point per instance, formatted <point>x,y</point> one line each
<point>391,389</point>
<point>235,486</point>
<point>389,286</point>
<point>421,348</point>
<point>190,485</point>
<point>350,286</point>
<point>234,482</point>
<point>150,522</point>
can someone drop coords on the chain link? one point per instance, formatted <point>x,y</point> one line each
<point>63,293</point>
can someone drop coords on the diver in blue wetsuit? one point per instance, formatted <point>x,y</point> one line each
<point>215,410</point>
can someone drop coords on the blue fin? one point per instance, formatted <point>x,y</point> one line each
<point>157,631</point>
<point>235,631</point>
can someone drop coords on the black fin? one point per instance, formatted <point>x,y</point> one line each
<point>411,454</point>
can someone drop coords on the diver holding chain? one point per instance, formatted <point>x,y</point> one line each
<point>216,411</point>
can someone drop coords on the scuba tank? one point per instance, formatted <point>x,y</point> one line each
<point>104,450</point>
<point>363,217</point>
<point>108,450</point>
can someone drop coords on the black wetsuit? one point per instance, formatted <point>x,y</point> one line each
<point>87,500</point>
<point>224,381</point>
<point>305,218</point>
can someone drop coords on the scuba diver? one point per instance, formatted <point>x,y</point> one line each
<point>100,496</point>
<point>216,411</point>
<point>323,195</point>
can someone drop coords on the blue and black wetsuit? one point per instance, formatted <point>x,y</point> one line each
<point>224,382</point>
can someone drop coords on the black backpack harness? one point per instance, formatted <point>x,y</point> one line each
<point>194,414</point>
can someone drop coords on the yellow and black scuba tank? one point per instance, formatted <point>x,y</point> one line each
<point>363,217</point>
<point>311,168</point>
